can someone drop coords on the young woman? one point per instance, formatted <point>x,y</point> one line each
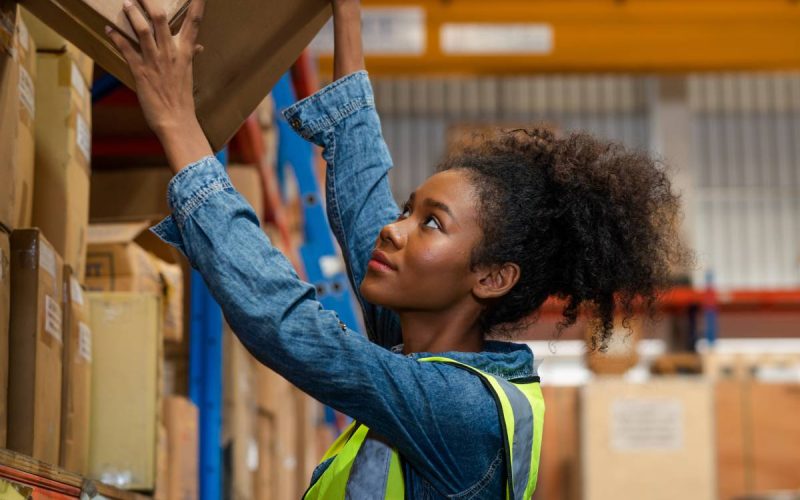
<point>519,216</point>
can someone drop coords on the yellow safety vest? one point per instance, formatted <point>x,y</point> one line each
<point>521,407</point>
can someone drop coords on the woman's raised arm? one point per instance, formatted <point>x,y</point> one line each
<point>162,72</point>
<point>342,119</point>
<point>348,54</point>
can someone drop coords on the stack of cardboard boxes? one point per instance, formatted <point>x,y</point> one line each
<point>45,341</point>
<point>80,376</point>
<point>137,306</point>
<point>18,106</point>
<point>269,427</point>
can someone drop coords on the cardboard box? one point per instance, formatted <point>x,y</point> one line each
<point>17,111</point>
<point>141,193</point>
<point>757,436</point>
<point>309,414</point>
<point>77,376</point>
<point>63,153</point>
<point>653,440</point>
<point>182,424</point>
<point>239,413</point>
<point>5,311</point>
<point>130,194</point>
<point>247,48</point>
<point>559,467</point>
<point>116,262</point>
<point>126,367</point>
<point>35,347</point>
<point>48,40</point>
<point>265,483</point>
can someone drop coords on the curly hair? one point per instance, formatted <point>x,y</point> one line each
<point>586,220</point>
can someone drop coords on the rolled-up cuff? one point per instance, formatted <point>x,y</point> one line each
<point>168,231</point>
<point>330,105</point>
<point>193,185</point>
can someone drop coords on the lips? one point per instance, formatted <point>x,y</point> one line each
<point>381,261</point>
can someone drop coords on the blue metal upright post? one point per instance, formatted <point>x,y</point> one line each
<point>205,379</point>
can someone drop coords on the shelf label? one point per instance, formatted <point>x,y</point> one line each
<point>83,137</point>
<point>84,342</point>
<point>646,425</point>
<point>47,259</point>
<point>26,95</point>
<point>76,292</point>
<point>24,36</point>
<point>393,31</point>
<point>52,317</point>
<point>77,80</point>
<point>496,38</point>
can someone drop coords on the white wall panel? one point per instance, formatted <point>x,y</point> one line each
<point>746,147</point>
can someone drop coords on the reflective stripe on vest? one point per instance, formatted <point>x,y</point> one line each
<point>365,467</point>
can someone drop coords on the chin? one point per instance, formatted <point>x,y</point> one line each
<point>374,293</point>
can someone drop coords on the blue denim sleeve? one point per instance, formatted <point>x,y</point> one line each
<point>278,319</point>
<point>342,119</point>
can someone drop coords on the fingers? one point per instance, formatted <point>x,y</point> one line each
<point>142,28</point>
<point>191,25</point>
<point>158,16</point>
<point>131,55</point>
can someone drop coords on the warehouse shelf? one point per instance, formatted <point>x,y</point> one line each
<point>679,298</point>
<point>735,299</point>
<point>465,37</point>
<point>52,482</point>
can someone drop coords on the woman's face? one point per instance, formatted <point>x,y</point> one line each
<point>422,260</point>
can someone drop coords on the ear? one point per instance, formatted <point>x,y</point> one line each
<point>496,281</point>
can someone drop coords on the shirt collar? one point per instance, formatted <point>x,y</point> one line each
<point>507,360</point>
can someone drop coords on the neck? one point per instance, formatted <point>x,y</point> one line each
<point>453,330</point>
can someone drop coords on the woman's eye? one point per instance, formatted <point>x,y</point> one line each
<point>432,223</point>
<point>404,213</point>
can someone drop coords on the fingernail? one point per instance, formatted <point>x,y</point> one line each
<point>108,30</point>
<point>127,4</point>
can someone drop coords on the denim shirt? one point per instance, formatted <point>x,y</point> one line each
<point>441,419</point>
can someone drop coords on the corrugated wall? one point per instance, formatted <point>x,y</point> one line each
<point>745,141</point>
<point>746,131</point>
<point>417,113</point>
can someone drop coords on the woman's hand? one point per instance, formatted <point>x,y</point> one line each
<point>162,71</point>
<point>348,56</point>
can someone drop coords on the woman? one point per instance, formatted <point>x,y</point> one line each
<point>517,217</point>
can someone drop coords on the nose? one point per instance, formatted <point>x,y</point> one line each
<point>392,234</point>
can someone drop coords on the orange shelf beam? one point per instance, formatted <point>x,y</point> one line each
<point>608,35</point>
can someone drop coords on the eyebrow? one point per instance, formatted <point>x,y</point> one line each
<point>435,204</point>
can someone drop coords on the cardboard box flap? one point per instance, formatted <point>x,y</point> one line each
<point>99,13</point>
<point>112,233</point>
